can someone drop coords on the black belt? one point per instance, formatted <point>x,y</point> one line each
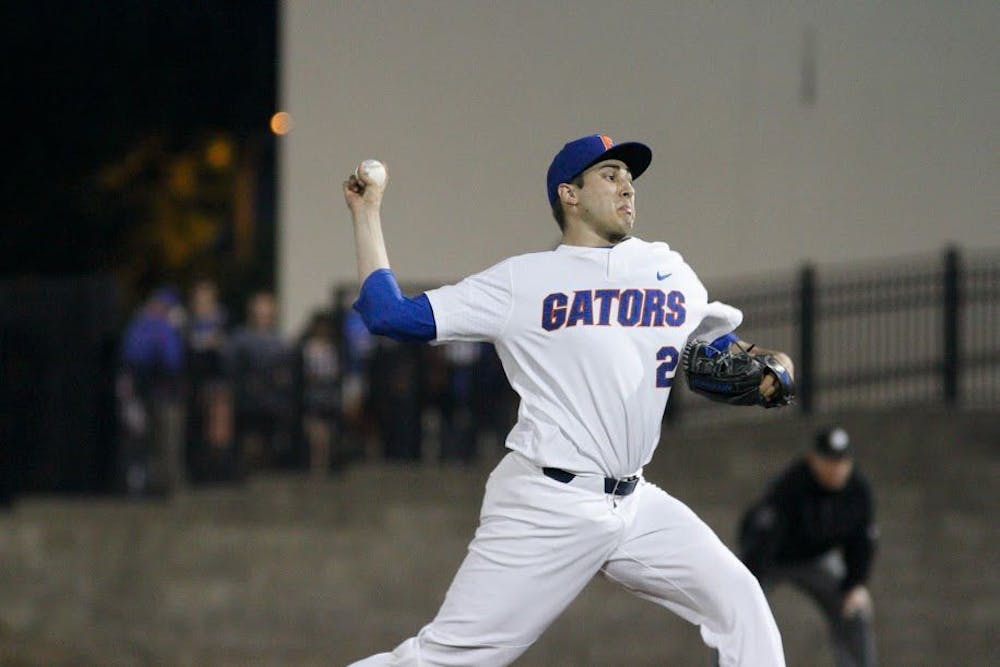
<point>619,487</point>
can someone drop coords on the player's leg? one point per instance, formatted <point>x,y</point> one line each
<point>852,636</point>
<point>538,544</point>
<point>671,557</point>
<point>767,583</point>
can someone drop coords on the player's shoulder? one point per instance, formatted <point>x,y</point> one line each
<point>656,250</point>
<point>526,263</point>
<point>665,259</point>
<point>654,247</point>
<point>533,256</point>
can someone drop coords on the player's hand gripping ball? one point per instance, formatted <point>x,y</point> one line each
<point>735,377</point>
<point>374,170</point>
<point>364,188</point>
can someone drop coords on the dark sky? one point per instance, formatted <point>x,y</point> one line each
<point>84,81</point>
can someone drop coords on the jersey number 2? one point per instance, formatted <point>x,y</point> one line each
<point>668,358</point>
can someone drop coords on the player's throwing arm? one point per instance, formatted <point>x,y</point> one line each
<point>363,192</point>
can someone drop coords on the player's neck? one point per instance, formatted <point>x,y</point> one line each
<point>579,235</point>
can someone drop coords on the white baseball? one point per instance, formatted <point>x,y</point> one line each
<point>374,170</point>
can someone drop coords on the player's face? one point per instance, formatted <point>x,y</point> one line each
<point>832,474</point>
<point>606,202</point>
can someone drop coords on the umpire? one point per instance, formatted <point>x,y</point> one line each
<point>815,528</point>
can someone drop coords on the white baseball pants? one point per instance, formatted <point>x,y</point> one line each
<point>540,541</point>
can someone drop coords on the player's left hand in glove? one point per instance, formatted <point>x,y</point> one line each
<point>738,377</point>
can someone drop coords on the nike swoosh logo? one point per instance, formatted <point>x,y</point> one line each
<point>662,276</point>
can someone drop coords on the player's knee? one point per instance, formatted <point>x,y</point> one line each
<point>748,587</point>
<point>753,601</point>
<point>432,647</point>
<point>740,598</point>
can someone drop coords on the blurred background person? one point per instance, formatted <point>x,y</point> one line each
<point>211,455</point>
<point>357,433</point>
<point>258,362</point>
<point>459,428</point>
<point>494,403</point>
<point>815,528</point>
<point>149,390</point>
<point>319,377</point>
<point>398,394</point>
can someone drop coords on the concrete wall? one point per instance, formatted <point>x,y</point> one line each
<point>467,102</point>
<point>288,572</point>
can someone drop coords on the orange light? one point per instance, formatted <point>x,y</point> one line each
<point>219,153</point>
<point>281,123</point>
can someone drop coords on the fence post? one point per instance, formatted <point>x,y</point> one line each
<point>674,413</point>
<point>950,311</point>
<point>807,338</point>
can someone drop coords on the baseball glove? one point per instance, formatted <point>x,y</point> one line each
<point>734,377</point>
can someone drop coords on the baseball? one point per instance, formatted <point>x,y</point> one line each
<point>374,169</point>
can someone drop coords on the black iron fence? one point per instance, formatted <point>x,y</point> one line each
<point>909,331</point>
<point>906,331</point>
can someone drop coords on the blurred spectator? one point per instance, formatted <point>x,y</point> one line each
<point>459,428</point>
<point>320,392</point>
<point>211,447</point>
<point>494,402</point>
<point>149,397</point>
<point>397,396</point>
<point>388,388</point>
<point>359,347</point>
<point>435,396</point>
<point>815,528</point>
<point>206,329</point>
<point>258,362</point>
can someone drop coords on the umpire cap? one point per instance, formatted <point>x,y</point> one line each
<point>833,443</point>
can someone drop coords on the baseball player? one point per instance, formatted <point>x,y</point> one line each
<point>590,335</point>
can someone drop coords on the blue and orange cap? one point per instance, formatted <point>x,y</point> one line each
<point>579,154</point>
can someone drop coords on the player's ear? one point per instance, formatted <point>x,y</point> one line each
<point>567,193</point>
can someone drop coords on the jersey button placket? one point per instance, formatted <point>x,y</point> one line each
<point>612,271</point>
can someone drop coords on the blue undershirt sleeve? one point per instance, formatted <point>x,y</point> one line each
<point>722,343</point>
<point>387,312</point>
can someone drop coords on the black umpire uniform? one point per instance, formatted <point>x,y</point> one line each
<point>815,528</point>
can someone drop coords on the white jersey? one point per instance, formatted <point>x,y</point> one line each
<point>590,338</point>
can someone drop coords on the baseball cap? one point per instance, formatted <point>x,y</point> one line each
<point>587,151</point>
<point>833,443</point>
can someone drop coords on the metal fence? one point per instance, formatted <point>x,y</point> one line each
<point>907,331</point>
